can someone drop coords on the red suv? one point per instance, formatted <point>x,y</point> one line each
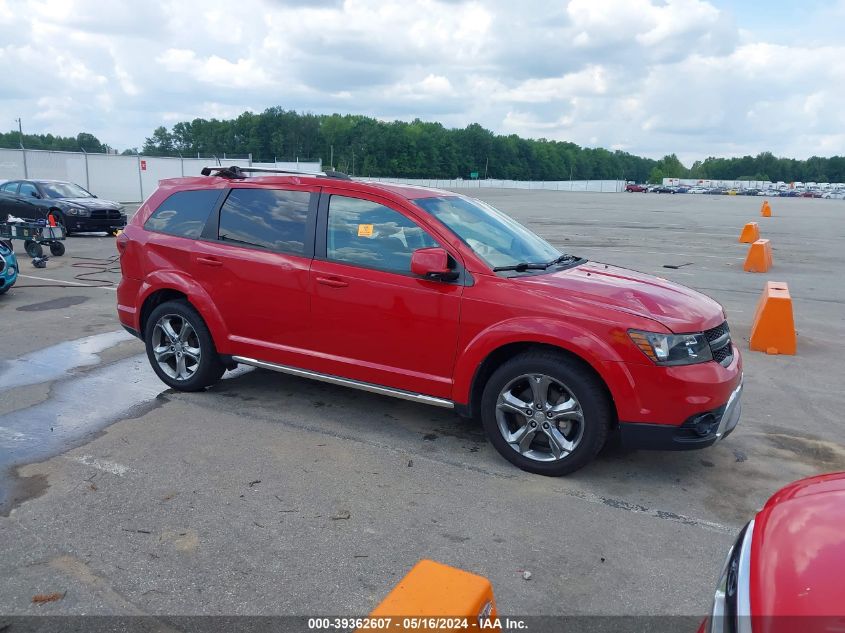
<point>429,296</point>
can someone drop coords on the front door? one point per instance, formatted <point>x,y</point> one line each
<point>373,320</point>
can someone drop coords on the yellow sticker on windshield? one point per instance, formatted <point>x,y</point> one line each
<point>365,230</point>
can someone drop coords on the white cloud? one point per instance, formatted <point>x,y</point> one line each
<point>648,76</point>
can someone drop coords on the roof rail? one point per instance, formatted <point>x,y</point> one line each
<point>236,173</point>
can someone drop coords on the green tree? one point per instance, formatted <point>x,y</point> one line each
<point>656,176</point>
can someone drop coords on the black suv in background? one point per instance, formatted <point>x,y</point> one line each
<point>77,209</point>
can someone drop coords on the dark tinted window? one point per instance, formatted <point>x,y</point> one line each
<point>369,234</point>
<point>268,218</point>
<point>184,213</point>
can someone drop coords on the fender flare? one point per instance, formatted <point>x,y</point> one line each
<point>197,296</point>
<point>567,336</point>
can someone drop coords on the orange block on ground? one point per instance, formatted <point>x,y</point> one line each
<point>773,329</point>
<point>436,597</point>
<point>759,258</point>
<point>766,210</point>
<point>750,233</point>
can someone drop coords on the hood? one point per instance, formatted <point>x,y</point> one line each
<point>798,551</point>
<point>91,203</point>
<point>677,307</point>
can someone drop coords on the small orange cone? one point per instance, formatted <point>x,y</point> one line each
<point>766,210</point>
<point>750,233</point>
<point>773,329</point>
<point>759,258</point>
<point>433,590</point>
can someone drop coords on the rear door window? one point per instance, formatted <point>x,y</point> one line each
<point>271,219</point>
<point>10,187</point>
<point>184,213</point>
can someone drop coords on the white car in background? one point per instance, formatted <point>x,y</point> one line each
<point>697,190</point>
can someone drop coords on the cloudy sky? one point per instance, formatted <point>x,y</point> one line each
<point>651,77</point>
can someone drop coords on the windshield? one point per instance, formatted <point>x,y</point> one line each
<point>64,190</point>
<point>496,238</point>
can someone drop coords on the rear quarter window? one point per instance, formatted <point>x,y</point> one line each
<point>184,213</point>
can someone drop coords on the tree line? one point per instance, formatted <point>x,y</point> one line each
<point>82,141</point>
<point>365,146</point>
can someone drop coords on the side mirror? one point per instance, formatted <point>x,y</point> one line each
<point>432,263</point>
<point>35,194</point>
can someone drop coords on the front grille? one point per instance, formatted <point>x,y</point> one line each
<point>2,263</point>
<point>719,338</point>
<point>105,215</point>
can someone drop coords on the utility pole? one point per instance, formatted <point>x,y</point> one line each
<point>23,149</point>
<point>486,163</point>
<point>331,157</point>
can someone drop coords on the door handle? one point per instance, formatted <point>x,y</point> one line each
<point>209,261</point>
<point>332,282</point>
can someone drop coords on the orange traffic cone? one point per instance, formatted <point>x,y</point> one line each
<point>759,258</point>
<point>431,590</point>
<point>766,210</point>
<point>750,233</point>
<point>773,329</point>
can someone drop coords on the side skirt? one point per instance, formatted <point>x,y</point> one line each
<point>347,382</point>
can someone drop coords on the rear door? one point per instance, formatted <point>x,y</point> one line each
<point>253,261</point>
<point>373,320</point>
<point>11,204</point>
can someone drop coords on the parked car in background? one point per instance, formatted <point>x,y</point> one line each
<point>75,208</point>
<point>8,267</point>
<point>429,296</point>
<point>633,187</point>
<point>784,572</point>
<point>697,190</point>
<point>664,189</point>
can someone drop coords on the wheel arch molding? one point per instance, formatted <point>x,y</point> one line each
<point>163,286</point>
<point>492,346</point>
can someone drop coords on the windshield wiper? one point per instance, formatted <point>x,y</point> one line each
<point>521,267</point>
<point>563,258</point>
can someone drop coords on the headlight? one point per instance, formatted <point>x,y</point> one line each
<point>79,212</point>
<point>672,349</point>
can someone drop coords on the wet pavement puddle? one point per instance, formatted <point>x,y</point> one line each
<point>78,407</point>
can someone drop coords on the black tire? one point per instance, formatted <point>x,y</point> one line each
<point>33,249</point>
<point>587,390</point>
<point>4,290</point>
<point>208,370</point>
<point>57,249</point>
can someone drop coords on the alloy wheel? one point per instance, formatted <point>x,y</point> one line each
<point>539,417</point>
<point>176,347</point>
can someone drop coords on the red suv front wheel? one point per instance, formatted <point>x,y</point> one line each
<point>545,413</point>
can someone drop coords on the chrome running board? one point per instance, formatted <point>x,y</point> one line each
<point>347,382</point>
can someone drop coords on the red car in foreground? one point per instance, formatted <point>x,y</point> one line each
<point>429,296</point>
<point>784,573</point>
<point>633,187</point>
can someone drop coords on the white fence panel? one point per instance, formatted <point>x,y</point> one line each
<point>11,164</point>
<point>115,177</point>
<point>155,168</point>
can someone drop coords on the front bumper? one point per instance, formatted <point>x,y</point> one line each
<point>698,431</point>
<point>8,271</point>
